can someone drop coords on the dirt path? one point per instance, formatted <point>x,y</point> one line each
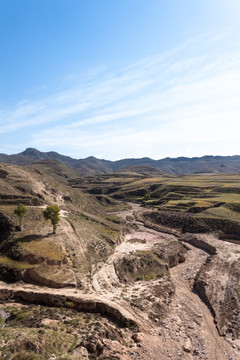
<point>188,332</point>
<point>200,334</point>
<point>105,281</point>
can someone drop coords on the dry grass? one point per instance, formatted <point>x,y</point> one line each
<point>39,331</point>
<point>46,248</point>
<point>6,261</point>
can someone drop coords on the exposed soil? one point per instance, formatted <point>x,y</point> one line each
<point>174,322</point>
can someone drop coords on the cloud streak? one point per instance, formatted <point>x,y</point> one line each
<point>177,103</point>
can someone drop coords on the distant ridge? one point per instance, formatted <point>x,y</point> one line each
<point>93,166</point>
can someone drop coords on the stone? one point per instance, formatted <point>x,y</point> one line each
<point>196,351</point>
<point>138,337</point>
<point>82,351</point>
<point>187,347</point>
<point>53,357</point>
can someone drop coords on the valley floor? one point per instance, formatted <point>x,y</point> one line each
<point>187,329</point>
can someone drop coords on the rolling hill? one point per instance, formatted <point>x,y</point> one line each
<point>93,166</point>
<point>122,267</point>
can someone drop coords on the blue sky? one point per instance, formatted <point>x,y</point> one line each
<point>120,78</point>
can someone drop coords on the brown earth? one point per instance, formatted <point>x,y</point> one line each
<point>171,320</point>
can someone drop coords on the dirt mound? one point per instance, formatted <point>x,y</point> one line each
<point>172,253</point>
<point>150,264</point>
<point>140,265</point>
<point>52,277</point>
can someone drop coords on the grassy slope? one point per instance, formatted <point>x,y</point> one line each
<point>84,232</point>
<point>35,332</point>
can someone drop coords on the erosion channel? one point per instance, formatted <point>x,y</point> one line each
<point>149,285</point>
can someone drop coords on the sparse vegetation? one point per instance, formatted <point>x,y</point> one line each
<point>147,197</point>
<point>233,206</point>
<point>20,211</point>
<point>42,247</point>
<point>91,231</point>
<point>52,213</point>
<point>141,266</point>
<point>35,332</point>
<point>23,355</point>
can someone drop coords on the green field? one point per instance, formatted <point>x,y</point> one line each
<point>210,200</point>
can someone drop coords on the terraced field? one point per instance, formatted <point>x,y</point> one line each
<point>123,277</point>
<point>202,203</point>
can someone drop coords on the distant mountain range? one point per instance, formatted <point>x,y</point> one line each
<point>94,166</point>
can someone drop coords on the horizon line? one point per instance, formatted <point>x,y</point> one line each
<point>128,158</point>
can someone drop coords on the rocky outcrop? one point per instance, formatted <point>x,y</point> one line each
<point>172,253</point>
<point>123,318</point>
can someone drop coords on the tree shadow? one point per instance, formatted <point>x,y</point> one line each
<point>29,238</point>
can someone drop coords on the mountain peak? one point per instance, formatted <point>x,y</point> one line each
<point>30,150</point>
<point>33,153</point>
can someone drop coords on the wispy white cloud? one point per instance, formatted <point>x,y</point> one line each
<point>171,104</point>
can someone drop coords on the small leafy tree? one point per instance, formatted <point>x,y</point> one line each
<point>20,211</point>
<point>146,196</point>
<point>52,213</point>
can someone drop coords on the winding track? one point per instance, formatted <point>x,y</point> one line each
<point>188,332</point>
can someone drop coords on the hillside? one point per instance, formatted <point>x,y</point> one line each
<point>126,276</point>
<point>93,166</point>
<point>192,203</point>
